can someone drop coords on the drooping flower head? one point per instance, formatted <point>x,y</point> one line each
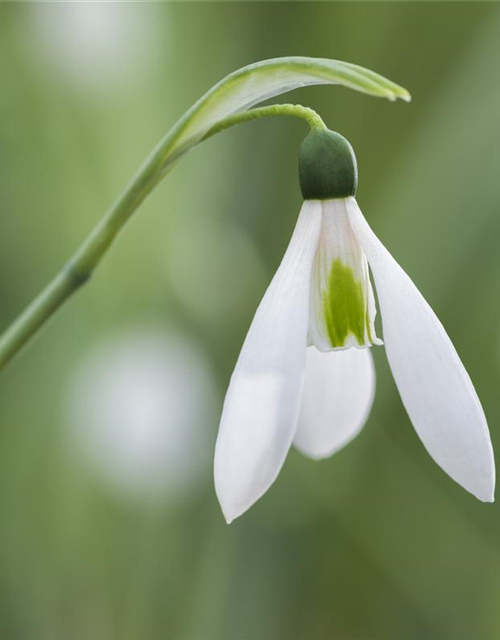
<point>342,308</point>
<point>305,375</point>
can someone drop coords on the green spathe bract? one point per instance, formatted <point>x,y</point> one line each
<point>257,82</point>
<point>327,166</point>
<point>344,306</point>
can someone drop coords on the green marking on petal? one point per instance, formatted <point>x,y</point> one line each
<point>368,327</point>
<point>344,306</point>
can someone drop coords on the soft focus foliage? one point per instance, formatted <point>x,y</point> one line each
<point>138,405</point>
<point>375,543</point>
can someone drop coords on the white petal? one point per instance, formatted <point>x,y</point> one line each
<point>433,383</point>
<point>342,311</point>
<point>337,399</point>
<point>261,408</point>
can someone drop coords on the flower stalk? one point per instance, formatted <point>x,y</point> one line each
<point>80,267</point>
<point>227,104</point>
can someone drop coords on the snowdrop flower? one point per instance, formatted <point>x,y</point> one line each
<point>318,397</point>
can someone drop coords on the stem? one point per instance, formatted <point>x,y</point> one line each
<point>80,267</point>
<point>296,110</point>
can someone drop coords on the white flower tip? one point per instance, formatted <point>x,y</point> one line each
<point>228,510</point>
<point>490,499</point>
<point>237,482</point>
<point>240,481</point>
<point>231,506</point>
<point>319,451</point>
<point>313,453</point>
<point>480,482</point>
<point>486,490</point>
<point>485,495</point>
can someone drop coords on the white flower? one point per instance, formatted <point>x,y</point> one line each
<point>283,392</point>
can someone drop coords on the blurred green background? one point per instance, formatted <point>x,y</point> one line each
<point>111,532</point>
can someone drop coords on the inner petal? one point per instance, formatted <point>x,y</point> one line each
<point>342,305</point>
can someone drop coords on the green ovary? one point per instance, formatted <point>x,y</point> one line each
<point>344,306</point>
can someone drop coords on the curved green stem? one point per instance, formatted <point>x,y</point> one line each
<point>80,267</point>
<point>296,110</point>
<point>225,105</point>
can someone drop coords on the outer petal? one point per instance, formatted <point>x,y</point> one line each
<point>432,381</point>
<point>337,399</point>
<point>262,404</point>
